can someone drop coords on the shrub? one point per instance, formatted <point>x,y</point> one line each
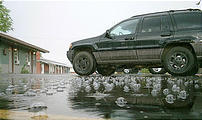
<point>144,70</point>
<point>24,70</point>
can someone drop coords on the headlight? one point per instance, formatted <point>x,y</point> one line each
<point>70,46</point>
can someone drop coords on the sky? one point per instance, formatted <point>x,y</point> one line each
<point>54,24</point>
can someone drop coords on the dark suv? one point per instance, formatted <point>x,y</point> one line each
<point>171,40</point>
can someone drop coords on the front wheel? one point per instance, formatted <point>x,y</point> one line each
<point>131,71</point>
<point>84,63</point>
<point>105,71</point>
<point>180,61</point>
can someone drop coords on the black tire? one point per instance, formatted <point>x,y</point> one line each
<point>180,61</point>
<point>105,71</point>
<point>135,70</point>
<point>195,69</point>
<point>158,71</point>
<point>84,63</point>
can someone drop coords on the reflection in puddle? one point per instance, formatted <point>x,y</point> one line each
<point>121,102</point>
<point>117,97</point>
<point>154,97</point>
<point>35,107</point>
<point>170,92</point>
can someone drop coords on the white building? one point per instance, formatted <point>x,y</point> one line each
<point>53,67</point>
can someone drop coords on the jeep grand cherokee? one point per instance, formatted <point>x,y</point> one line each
<point>171,40</point>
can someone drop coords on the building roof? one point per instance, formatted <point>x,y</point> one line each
<point>52,62</point>
<point>17,41</point>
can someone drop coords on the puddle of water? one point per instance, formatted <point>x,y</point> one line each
<point>116,97</point>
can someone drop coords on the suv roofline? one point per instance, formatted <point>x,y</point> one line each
<point>170,11</point>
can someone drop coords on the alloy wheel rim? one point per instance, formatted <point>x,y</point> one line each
<point>82,63</point>
<point>156,69</point>
<point>126,70</point>
<point>178,61</point>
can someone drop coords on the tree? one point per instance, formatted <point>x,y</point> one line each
<point>5,19</point>
<point>198,3</point>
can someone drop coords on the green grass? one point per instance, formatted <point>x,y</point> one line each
<point>144,70</point>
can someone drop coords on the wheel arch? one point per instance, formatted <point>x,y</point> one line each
<point>87,48</point>
<point>175,44</point>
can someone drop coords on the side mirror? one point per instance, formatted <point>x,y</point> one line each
<point>108,34</point>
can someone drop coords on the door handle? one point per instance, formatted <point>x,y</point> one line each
<point>166,34</point>
<point>131,38</point>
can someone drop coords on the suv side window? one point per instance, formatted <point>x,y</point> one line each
<point>151,24</point>
<point>165,24</point>
<point>125,28</point>
<point>188,20</point>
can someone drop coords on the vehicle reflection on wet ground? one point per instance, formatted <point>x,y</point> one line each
<point>121,97</point>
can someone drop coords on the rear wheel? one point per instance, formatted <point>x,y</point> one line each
<point>84,63</point>
<point>180,61</point>
<point>157,70</point>
<point>105,71</point>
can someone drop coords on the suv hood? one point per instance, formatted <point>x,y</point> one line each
<point>86,41</point>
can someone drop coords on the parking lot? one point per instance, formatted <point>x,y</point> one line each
<point>119,97</point>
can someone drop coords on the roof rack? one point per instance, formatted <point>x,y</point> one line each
<point>190,9</point>
<point>148,14</point>
<point>194,9</point>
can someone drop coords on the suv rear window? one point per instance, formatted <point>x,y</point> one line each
<point>188,20</point>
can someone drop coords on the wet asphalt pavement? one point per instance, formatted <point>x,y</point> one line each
<point>119,97</point>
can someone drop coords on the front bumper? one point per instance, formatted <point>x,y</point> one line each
<point>70,55</point>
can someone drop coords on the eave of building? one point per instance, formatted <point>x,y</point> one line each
<point>52,62</point>
<point>16,41</point>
